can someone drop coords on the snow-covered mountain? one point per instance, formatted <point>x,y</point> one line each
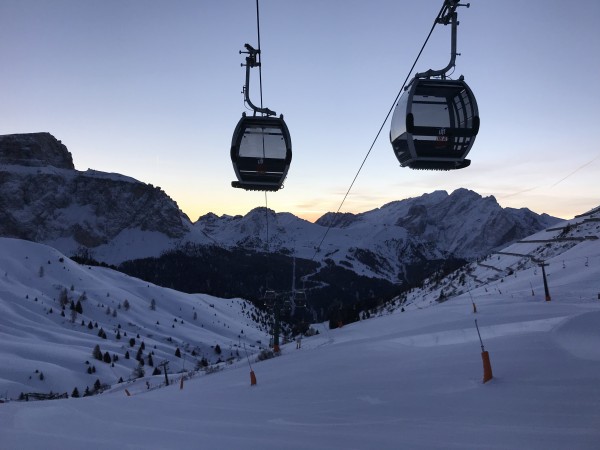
<point>572,244</point>
<point>115,218</point>
<point>411,378</point>
<point>44,199</point>
<point>385,241</point>
<point>53,312</point>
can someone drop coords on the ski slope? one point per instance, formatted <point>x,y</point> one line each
<point>407,379</point>
<point>411,379</point>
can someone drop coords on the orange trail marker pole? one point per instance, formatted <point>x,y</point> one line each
<point>252,374</point>
<point>485,356</point>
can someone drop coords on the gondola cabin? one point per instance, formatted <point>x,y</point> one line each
<point>300,299</point>
<point>269,298</point>
<point>434,124</point>
<point>261,153</point>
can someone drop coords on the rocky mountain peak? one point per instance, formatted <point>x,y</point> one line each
<point>34,150</point>
<point>338,220</point>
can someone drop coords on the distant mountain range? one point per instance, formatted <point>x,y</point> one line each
<point>113,218</point>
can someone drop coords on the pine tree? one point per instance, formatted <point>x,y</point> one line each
<point>178,352</point>
<point>126,305</point>
<point>73,315</point>
<point>153,305</point>
<point>107,358</point>
<point>138,372</point>
<point>63,297</point>
<point>97,385</point>
<point>75,393</point>
<point>97,353</point>
<point>78,307</point>
<point>127,355</point>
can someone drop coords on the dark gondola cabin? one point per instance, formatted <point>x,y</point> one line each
<point>434,124</point>
<point>261,153</point>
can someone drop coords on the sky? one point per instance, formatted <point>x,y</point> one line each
<point>152,89</point>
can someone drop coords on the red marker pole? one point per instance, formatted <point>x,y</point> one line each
<point>485,356</point>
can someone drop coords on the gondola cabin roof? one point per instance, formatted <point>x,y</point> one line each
<point>261,153</point>
<point>434,124</point>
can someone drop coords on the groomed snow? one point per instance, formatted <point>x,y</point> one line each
<point>409,380</point>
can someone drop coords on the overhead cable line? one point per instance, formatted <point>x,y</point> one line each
<point>435,22</point>
<point>259,55</point>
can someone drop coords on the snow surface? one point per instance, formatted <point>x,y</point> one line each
<point>409,379</point>
<point>35,338</point>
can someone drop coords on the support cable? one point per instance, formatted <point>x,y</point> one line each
<point>259,54</point>
<point>267,221</point>
<point>436,21</point>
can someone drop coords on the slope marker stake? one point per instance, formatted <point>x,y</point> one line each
<point>485,356</point>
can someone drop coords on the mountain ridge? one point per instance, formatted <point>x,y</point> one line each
<point>114,218</point>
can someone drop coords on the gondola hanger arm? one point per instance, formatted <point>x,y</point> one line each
<point>448,15</point>
<point>253,60</point>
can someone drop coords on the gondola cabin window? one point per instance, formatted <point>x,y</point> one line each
<point>262,142</point>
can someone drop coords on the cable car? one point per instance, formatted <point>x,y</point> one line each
<point>261,146</point>
<point>261,153</point>
<point>269,298</point>
<point>300,299</point>
<point>434,124</point>
<point>286,307</point>
<point>436,119</point>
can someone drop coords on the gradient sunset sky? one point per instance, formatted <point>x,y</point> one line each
<point>152,89</point>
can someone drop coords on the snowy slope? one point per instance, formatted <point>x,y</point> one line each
<point>35,338</point>
<point>571,244</point>
<point>409,379</point>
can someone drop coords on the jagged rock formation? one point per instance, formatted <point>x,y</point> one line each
<point>35,149</point>
<point>44,199</point>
